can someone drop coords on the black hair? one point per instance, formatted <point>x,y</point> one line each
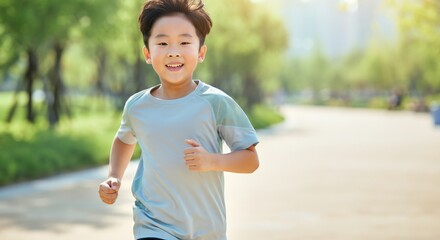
<point>193,10</point>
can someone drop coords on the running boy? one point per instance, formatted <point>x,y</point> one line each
<point>180,126</point>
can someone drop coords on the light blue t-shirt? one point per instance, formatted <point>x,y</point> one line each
<point>173,202</point>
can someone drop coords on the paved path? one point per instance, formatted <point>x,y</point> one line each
<point>328,173</point>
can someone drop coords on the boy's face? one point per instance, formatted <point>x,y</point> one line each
<point>174,49</point>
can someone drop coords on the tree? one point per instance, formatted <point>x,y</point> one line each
<point>23,28</point>
<point>244,49</point>
<point>66,16</point>
<point>418,23</point>
<point>34,26</point>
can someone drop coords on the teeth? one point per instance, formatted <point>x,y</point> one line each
<point>174,65</point>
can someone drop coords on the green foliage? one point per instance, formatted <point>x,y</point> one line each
<point>378,102</point>
<point>28,152</point>
<point>246,43</point>
<point>418,22</point>
<point>31,151</point>
<point>366,77</point>
<point>82,143</point>
<point>263,116</point>
<point>44,154</point>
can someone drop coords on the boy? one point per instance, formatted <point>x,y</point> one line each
<point>179,126</point>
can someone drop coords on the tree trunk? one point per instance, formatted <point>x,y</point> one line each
<point>13,108</point>
<point>252,91</point>
<point>30,75</point>
<point>56,105</point>
<point>29,78</point>
<point>139,74</point>
<point>102,66</point>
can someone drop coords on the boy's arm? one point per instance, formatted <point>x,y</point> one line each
<point>241,161</point>
<point>120,156</point>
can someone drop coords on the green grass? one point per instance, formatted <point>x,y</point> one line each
<point>30,152</point>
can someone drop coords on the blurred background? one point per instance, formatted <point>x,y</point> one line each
<point>67,68</point>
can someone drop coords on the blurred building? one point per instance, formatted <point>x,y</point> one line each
<point>336,26</point>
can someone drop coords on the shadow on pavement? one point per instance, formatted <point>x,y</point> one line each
<point>57,207</point>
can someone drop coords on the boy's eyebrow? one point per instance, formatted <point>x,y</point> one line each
<point>161,35</point>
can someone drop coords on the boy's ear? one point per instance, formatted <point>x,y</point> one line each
<point>147,55</point>
<point>202,53</point>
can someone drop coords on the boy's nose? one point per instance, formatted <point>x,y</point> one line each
<point>173,54</point>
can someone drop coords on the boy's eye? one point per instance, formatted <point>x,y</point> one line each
<point>185,43</point>
<point>162,44</point>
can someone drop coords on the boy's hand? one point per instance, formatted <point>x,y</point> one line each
<point>108,190</point>
<point>197,158</point>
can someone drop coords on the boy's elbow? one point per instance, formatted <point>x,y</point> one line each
<point>255,166</point>
<point>254,163</point>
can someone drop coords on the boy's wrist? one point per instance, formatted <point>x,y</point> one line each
<point>115,176</point>
<point>216,162</point>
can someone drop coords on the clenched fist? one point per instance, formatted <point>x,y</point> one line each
<point>197,158</point>
<point>108,190</point>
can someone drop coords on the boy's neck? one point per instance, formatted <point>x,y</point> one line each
<point>170,91</point>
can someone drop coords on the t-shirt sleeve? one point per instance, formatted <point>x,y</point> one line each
<point>125,132</point>
<point>234,126</point>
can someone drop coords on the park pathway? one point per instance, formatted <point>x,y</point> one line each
<point>326,173</point>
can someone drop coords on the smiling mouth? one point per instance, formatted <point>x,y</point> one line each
<point>174,65</point>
